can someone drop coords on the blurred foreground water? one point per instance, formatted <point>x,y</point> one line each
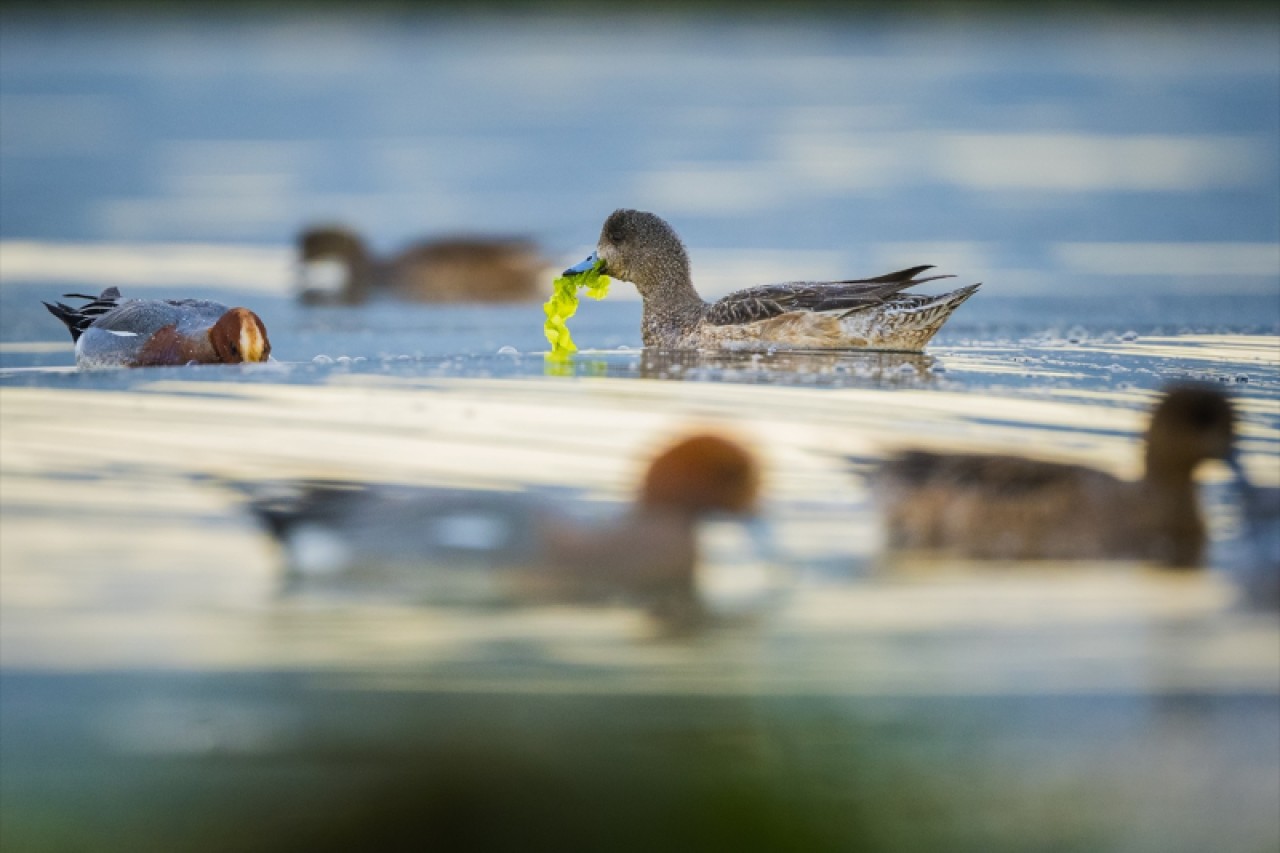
<point>1114,186</point>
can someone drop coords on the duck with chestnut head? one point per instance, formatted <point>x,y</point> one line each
<point>455,545</point>
<point>111,331</point>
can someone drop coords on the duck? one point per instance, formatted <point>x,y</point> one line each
<point>872,313</point>
<point>999,507</point>
<point>476,546</point>
<point>111,331</point>
<point>336,268</point>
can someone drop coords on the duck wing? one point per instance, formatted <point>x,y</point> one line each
<point>770,300</point>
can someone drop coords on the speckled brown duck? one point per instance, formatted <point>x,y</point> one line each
<point>336,268</point>
<point>872,313</point>
<point>111,331</point>
<point>1012,508</point>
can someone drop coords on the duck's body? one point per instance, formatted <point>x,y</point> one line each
<point>871,313</point>
<point>336,268</point>
<point>110,331</point>
<point>481,546</point>
<point>1012,508</point>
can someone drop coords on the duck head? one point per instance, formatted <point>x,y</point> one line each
<point>240,335</point>
<point>333,267</point>
<point>1191,424</point>
<point>700,475</point>
<point>638,247</point>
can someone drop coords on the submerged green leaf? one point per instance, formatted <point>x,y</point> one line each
<point>563,304</point>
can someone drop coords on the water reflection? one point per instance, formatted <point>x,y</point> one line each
<point>864,369</point>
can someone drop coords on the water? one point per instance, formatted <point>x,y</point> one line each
<point>1112,182</point>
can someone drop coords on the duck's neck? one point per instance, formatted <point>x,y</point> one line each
<point>1171,493</point>
<point>672,309</point>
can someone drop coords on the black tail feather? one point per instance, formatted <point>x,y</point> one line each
<point>78,319</point>
<point>902,275</point>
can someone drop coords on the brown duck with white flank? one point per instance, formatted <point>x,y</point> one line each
<point>335,268</point>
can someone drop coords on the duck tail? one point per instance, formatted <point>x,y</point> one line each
<point>954,299</point>
<point>932,313</point>
<point>78,319</point>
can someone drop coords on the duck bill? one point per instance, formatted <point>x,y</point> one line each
<point>583,266</point>
<point>1237,469</point>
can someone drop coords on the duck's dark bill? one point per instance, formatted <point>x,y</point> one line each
<point>583,266</point>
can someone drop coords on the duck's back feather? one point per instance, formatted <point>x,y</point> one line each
<point>771,300</point>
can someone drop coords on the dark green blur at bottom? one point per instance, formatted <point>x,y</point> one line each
<point>296,762</point>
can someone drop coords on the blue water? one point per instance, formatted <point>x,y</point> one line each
<point>1003,140</point>
<point>1112,181</point>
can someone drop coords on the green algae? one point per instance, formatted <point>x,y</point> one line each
<point>563,304</point>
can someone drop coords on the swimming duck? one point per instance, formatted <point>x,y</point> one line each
<point>110,331</point>
<point>478,546</point>
<point>336,268</point>
<point>872,313</point>
<point>1011,508</point>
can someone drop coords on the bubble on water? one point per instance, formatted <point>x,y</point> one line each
<point>322,359</point>
<point>1129,336</point>
<point>1118,368</point>
<point>939,368</point>
<point>1242,377</point>
<point>906,367</point>
<point>508,350</point>
<point>623,348</point>
<point>359,360</point>
<point>772,350</point>
<point>404,358</point>
<point>343,359</point>
<point>1077,334</point>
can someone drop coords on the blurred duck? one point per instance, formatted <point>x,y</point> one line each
<point>1010,508</point>
<point>871,313</point>
<point>476,546</point>
<point>110,331</point>
<point>337,269</point>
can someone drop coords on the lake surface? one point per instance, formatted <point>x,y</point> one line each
<point>1113,183</point>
